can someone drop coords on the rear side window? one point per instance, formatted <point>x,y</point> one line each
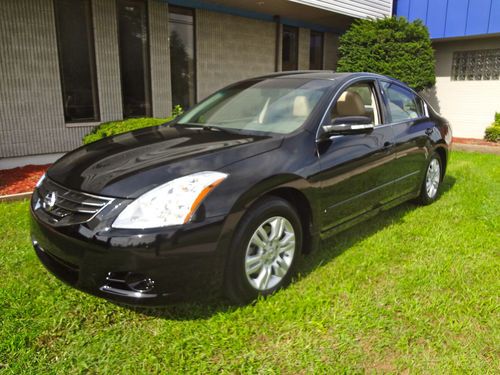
<point>402,104</point>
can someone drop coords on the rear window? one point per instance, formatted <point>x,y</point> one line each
<point>402,103</point>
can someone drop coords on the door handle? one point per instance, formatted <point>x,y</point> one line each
<point>387,146</point>
<point>429,131</point>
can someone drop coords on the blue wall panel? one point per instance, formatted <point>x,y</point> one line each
<point>494,25</point>
<point>436,17</point>
<point>478,17</point>
<point>403,8</point>
<point>456,17</point>
<point>418,10</point>
<point>453,18</point>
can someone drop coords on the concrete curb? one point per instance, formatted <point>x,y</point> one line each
<point>15,197</point>
<point>476,148</point>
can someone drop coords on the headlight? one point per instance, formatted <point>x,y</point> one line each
<point>173,203</point>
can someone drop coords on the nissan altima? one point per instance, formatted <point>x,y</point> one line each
<point>229,195</point>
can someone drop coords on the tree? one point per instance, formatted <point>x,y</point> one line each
<point>389,46</point>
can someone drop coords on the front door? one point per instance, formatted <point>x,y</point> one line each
<point>354,167</point>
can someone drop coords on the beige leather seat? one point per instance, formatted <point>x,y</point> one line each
<point>301,106</point>
<point>349,104</point>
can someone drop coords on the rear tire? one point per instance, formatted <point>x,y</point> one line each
<point>429,190</point>
<point>264,250</point>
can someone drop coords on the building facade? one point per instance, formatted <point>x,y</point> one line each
<point>68,65</point>
<point>466,39</point>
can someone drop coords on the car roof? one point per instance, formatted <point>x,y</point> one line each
<point>325,74</point>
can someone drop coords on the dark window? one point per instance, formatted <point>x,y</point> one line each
<point>182,56</point>
<point>289,58</point>
<point>479,65</point>
<point>402,104</point>
<point>316,51</point>
<point>134,58</point>
<point>77,60</point>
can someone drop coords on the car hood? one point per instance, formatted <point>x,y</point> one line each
<point>127,165</point>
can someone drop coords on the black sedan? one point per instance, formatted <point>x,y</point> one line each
<point>230,194</point>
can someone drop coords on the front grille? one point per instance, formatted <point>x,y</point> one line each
<point>66,206</point>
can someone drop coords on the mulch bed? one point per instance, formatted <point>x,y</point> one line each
<point>20,180</point>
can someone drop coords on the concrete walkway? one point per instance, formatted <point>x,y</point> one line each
<point>15,197</point>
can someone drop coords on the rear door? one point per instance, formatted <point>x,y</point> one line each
<point>355,168</point>
<point>407,116</point>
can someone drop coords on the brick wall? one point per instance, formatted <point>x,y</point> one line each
<point>31,109</point>
<point>160,58</point>
<point>304,40</point>
<point>231,48</point>
<point>107,59</point>
<point>228,48</point>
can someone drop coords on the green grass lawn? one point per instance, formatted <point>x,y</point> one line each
<point>416,288</point>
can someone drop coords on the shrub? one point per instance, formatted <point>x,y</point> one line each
<point>176,111</point>
<point>389,46</point>
<point>107,129</point>
<point>492,133</point>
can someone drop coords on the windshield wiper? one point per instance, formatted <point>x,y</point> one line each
<point>206,127</point>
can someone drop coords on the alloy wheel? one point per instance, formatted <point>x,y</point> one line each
<point>433,178</point>
<point>270,253</point>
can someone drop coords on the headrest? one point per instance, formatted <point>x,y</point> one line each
<point>300,106</point>
<point>350,104</point>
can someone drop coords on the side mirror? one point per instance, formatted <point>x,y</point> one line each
<point>348,125</point>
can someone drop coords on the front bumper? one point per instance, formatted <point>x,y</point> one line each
<point>137,267</point>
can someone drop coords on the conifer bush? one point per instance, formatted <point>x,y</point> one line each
<point>389,46</point>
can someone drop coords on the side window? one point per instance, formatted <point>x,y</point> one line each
<point>402,104</point>
<point>357,100</point>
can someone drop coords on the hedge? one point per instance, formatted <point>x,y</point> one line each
<point>107,129</point>
<point>492,133</point>
<point>389,46</point>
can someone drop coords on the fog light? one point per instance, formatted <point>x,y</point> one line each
<point>128,282</point>
<point>139,283</point>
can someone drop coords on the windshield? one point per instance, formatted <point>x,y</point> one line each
<point>279,105</point>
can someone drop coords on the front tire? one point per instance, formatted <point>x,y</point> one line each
<point>432,181</point>
<point>264,250</point>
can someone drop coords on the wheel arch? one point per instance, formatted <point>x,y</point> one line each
<point>442,151</point>
<point>292,188</point>
<point>303,207</point>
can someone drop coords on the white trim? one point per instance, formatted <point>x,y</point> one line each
<point>81,124</point>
